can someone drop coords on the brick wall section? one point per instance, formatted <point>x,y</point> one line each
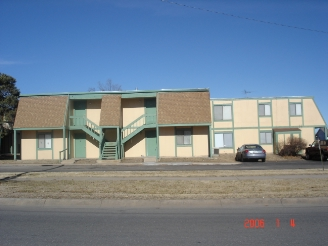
<point>41,112</point>
<point>184,108</point>
<point>110,114</point>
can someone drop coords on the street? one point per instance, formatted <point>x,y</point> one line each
<point>257,225</point>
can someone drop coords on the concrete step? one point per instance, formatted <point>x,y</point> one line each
<point>150,159</point>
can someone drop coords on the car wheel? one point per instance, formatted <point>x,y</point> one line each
<point>324,158</point>
<point>263,160</point>
<point>307,156</point>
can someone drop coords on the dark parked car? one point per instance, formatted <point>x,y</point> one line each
<point>250,152</point>
<point>313,150</point>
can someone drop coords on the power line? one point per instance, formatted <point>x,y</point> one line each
<point>245,18</point>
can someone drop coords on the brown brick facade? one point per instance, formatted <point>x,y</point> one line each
<point>41,112</point>
<point>111,111</point>
<point>184,108</point>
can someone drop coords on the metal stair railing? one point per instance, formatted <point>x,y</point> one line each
<point>86,125</point>
<point>136,126</point>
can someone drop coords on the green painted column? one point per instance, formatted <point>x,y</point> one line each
<point>15,145</point>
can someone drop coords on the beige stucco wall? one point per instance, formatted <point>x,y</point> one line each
<point>92,147</point>
<point>245,113</point>
<point>132,109</point>
<point>184,151</point>
<point>265,121</point>
<point>57,141</point>
<point>223,124</point>
<point>293,100</point>
<point>44,154</point>
<point>308,134</point>
<point>296,121</point>
<point>312,115</point>
<point>72,146</point>
<point>246,136</point>
<point>200,141</point>
<point>93,110</point>
<point>167,142</point>
<point>28,145</point>
<point>280,112</point>
<point>136,146</point>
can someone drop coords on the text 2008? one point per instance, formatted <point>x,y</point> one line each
<point>254,223</point>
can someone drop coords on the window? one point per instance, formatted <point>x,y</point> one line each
<point>265,137</point>
<point>222,112</point>
<point>264,109</point>
<point>223,140</point>
<point>44,141</point>
<point>295,109</point>
<point>183,136</point>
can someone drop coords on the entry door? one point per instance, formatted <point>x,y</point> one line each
<point>79,111</point>
<point>151,143</point>
<point>80,145</point>
<point>150,110</point>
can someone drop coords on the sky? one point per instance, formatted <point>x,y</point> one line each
<point>52,46</point>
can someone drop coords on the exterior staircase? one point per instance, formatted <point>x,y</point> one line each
<point>109,151</point>
<point>136,126</point>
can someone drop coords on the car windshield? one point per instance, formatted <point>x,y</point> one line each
<point>252,147</point>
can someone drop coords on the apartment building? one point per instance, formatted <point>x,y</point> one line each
<point>162,123</point>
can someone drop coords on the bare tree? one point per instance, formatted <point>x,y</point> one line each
<point>107,86</point>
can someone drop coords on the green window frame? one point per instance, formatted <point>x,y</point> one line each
<point>183,136</point>
<point>295,109</point>
<point>223,140</point>
<point>222,112</point>
<point>265,137</point>
<point>44,140</point>
<point>264,109</point>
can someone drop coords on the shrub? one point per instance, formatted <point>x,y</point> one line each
<point>291,147</point>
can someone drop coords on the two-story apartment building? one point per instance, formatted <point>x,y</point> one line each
<point>114,125</point>
<point>163,123</point>
<point>263,120</point>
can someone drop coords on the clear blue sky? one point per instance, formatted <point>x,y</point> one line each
<point>54,46</point>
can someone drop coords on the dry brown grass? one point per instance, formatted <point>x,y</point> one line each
<point>138,185</point>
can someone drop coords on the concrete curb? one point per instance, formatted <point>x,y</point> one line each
<point>230,202</point>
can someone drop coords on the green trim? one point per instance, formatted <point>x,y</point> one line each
<point>223,132</point>
<point>265,131</point>
<point>184,145</point>
<point>289,103</point>
<point>39,129</point>
<point>139,95</point>
<point>182,125</point>
<point>69,144</point>
<point>95,94</point>
<point>264,103</point>
<point>15,146</point>
<point>265,127</point>
<point>157,136</point>
<point>232,115</point>
<point>261,98</point>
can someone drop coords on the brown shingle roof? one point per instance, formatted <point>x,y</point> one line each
<point>41,112</point>
<point>184,108</point>
<point>110,114</point>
